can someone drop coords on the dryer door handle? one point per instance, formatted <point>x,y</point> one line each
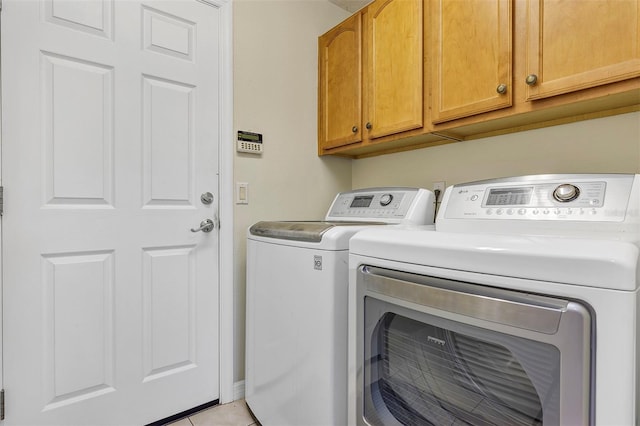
<point>525,311</point>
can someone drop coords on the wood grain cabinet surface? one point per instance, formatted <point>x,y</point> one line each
<point>371,75</point>
<point>472,57</point>
<point>340,85</point>
<point>574,45</point>
<point>437,71</point>
<point>393,67</point>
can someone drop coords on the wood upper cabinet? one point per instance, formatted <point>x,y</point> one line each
<point>491,66</point>
<point>574,45</point>
<point>393,67</point>
<point>340,85</point>
<point>370,77</point>
<point>471,51</point>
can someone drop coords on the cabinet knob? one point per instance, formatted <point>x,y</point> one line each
<point>501,89</point>
<point>368,126</point>
<point>531,79</point>
<point>354,129</point>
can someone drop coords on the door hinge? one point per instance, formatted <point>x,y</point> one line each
<point>2,404</point>
<point>1,200</point>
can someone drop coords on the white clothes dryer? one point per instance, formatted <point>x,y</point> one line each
<point>520,309</point>
<point>296,323</point>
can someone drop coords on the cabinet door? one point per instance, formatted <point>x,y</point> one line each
<point>394,66</point>
<point>340,85</point>
<point>574,45</point>
<point>472,56</point>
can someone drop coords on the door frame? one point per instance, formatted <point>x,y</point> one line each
<point>225,204</point>
<point>225,207</point>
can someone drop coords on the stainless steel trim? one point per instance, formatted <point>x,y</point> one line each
<point>520,310</point>
<point>311,231</point>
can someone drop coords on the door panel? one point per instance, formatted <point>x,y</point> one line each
<point>169,322</point>
<point>471,45</point>
<point>578,45</point>
<point>77,119</point>
<point>79,344</point>
<point>340,84</point>
<point>394,67</point>
<point>109,138</point>
<point>168,143</point>
<point>91,17</point>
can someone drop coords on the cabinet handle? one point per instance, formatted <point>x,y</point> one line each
<point>531,79</point>
<point>368,126</point>
<point>501,89</point>
<point>354,129</point>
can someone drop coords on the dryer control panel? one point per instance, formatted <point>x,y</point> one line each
<point>544,204</point>
<point>545,197</point>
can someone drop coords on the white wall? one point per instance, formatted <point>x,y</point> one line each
<point>275,85</point>
<point>610,144</point>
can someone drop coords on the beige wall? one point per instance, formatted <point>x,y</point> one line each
<point>275,93</point>
<point>610,144</point>
<point>275,80</point>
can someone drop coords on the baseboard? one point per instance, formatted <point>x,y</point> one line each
<point>238,390</point>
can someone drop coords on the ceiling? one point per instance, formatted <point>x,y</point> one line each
<point>351,5</point>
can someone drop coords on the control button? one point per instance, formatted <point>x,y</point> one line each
<point>509,211</point>
<point>535,211</point>
<point>522,212</point>
<point>581,211</point>
<point>499,211</point>
<point>489,211</point>
<point>557,211</point>
<point>566,192</point>
<point>474,197</point>
<point>545,211</point>
<point>569,211</point>
<point>386,199</point>
<point>593,211</point>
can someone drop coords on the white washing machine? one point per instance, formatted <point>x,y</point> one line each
<point>520,309</point>
<point>297,279</point>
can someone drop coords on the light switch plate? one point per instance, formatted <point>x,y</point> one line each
<point>242,193</point>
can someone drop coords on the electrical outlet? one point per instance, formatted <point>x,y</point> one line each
<point>439,186</point>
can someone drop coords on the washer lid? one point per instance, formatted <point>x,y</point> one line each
<point>311,232</point>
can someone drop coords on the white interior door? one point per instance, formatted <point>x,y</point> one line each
<point>110,136</point>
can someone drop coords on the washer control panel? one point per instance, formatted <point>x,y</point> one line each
<point>383,204</point>
<point>544,197</point>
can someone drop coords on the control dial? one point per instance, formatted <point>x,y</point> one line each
<point>386,199</point>
<point>566,192</point>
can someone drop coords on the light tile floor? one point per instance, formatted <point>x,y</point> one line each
<point>233,414</point>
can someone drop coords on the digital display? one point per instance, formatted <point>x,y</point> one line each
<point>362,201</point>
<point>249,136</point>
<point>509,196</point>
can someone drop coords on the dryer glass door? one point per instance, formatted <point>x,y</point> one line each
<point>426,366</point>
<point>425,374</point>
